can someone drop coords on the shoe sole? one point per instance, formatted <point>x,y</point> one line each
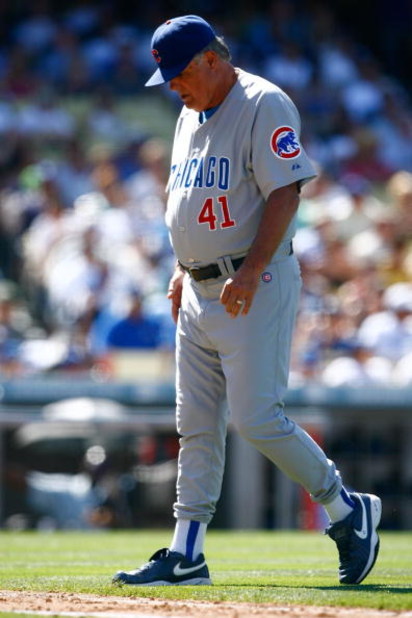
<point>196,581</point>
<point>376,513</point>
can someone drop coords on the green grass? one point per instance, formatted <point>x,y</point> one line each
<point>259,567</point>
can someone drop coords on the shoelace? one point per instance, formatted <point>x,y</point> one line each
<point>344,542</point>
<point>161,554</point>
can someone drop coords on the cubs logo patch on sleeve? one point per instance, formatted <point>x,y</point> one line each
<point>285,143</point>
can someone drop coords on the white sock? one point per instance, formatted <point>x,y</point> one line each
<point>189,538</point>
<point>340,506</point>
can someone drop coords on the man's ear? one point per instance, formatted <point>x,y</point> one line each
<point>211,58</point>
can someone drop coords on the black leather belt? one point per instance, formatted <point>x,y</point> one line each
<point>212,271</point>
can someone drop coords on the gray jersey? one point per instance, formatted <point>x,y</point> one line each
<point>218,187</point>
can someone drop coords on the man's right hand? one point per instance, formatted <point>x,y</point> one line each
<point>174,291</point>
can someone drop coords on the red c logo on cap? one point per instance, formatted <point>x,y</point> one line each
<point>156,56</point>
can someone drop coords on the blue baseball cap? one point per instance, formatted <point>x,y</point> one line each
<point>175,43</point>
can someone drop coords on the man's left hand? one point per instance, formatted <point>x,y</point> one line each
<point>238,292</point>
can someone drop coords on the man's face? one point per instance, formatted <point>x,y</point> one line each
<point>195,85</point>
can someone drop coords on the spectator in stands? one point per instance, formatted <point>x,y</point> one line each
<point>289,68</point>
<point>393,130</point>
<point>135,330</point>
<point>363,97</point>
<point>399,194</point>
<point>375,244</point>
<point>388,333</point>
<point>147,192</point>
<point>337,60</point>
<point>131,329</point>
<point>11,329</point>
<point>72,173</point>
<point>358,368</point>
<point>361,209</point>
<point>35,31</point>
<point>104,121</point>
<point>46,118</point>
<point>366,161</point>
<point>64,65</point>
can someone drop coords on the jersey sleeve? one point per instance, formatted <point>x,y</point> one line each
<point>278,158</point>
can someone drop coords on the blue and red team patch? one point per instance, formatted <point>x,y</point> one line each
<point>285,143</point>
<point>267,277</point>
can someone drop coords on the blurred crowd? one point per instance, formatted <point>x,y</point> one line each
<point>84,253</point>
<point>355,250</point>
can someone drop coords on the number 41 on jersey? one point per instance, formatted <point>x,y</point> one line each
<point>208,215</point>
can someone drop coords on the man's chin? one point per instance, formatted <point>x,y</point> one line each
<point>189,103</point>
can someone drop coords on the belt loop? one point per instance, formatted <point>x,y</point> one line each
<point>228,265</point>
<point>225,265</point>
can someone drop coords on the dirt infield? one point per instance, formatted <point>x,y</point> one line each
<point>87,605</point>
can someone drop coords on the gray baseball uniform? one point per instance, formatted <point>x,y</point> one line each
<point>222,172</point>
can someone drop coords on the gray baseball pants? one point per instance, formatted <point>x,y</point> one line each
<point>245,360</point>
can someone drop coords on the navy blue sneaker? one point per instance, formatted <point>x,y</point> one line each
<point>167,568</point>
<point>357,539</point>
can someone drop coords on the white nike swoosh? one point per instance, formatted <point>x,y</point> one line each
<point>178,570</point>
<point>363,532</point>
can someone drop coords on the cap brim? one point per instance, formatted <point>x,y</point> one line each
<point>156,79</point>
<point>161,76</point>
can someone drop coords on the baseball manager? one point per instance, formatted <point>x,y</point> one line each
<point>236,172</point>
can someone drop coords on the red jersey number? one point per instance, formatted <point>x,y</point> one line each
<point>207,213</point>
